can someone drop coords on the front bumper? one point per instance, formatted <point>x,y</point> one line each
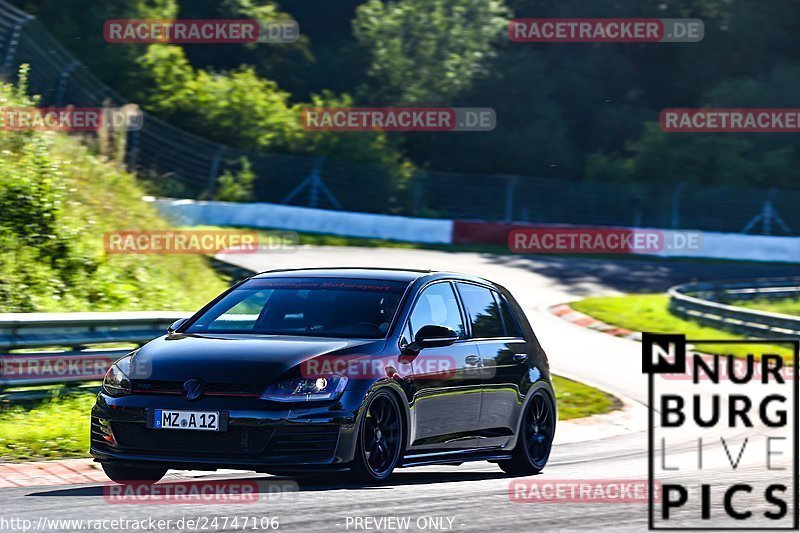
<point>259,436</point>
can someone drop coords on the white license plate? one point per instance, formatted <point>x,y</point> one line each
<point>195,420</point>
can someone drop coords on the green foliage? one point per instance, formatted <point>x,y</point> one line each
<point>249,112</point>
<point>252,113</point>
<point>428,50</point>
<point>564,111</point>
<point>246,111</point>
<point>236,187</point>
<point>56,202</point>
<point>756,160</point>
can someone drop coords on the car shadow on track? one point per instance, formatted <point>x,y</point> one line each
<point>321,482</point>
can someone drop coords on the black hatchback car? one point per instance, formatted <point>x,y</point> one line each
<point>358,370</point>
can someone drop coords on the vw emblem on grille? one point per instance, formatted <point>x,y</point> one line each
<point>193,389</point>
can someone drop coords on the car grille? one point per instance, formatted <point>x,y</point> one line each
<point>141,386</point>
<point>312,441</point>
<point>236,440</point>
<point>294,442</point>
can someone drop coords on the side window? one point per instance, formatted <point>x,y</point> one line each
<point>406,337</point>
<point>482,310</point>
<point>437,305</point>
<point>510,321</point>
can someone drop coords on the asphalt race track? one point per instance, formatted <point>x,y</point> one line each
<point>474,496</point>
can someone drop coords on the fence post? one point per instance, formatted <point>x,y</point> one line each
<point>315,186</point>
<point>132,149</point>
<point>212,174</point>
<point>676,204</point>
<point>419,187</point>
<point>62,81</point>
<point>13,41</point>
<point>512,184</point>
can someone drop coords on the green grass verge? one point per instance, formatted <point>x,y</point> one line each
<point>59,428</point>
<point>650,312</point>
<point>53,429</point>
<point>787,306</point>
<point>578,400</point>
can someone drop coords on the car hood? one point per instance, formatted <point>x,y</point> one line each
<point>237,358</point>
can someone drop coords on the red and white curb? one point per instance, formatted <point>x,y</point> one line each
<point>79,471</point>
<point>631,418</point>
<point>579,319</point>
<point>45,473</point>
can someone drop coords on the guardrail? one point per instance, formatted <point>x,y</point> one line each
<point>711,303</point>
<point>73,348</point>
<point>43,348</point>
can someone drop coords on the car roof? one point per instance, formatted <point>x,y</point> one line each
<point>386,274</point>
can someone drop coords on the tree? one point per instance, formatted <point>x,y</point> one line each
<point>426,51</point>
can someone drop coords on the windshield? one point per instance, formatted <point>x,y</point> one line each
<point>315,307</point>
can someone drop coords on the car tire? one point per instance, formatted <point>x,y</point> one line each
<point>535,436</point>
<point>379,440</point>
<point>130,475</point>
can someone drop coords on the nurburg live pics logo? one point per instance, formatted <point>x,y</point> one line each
<point>723,443</point>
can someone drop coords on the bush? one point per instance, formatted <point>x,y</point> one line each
<point>236,187</point>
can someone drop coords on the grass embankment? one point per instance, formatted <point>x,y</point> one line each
<point>786,307</point>
<point>57,199</point>
<point>59,428</point>
<point>650,312</point>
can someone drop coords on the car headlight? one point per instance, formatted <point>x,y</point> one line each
<point>117,382</point>
<point>306,389</point>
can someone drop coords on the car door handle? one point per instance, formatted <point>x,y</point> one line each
<point>520,357</point>
<point>472,360</point>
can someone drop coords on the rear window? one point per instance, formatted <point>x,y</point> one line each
<point>510,321</point>
<point>483,311</point>
<point>315,307</point>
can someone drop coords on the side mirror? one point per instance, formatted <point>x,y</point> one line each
<point>175,325</point>
<point>432,337</point>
